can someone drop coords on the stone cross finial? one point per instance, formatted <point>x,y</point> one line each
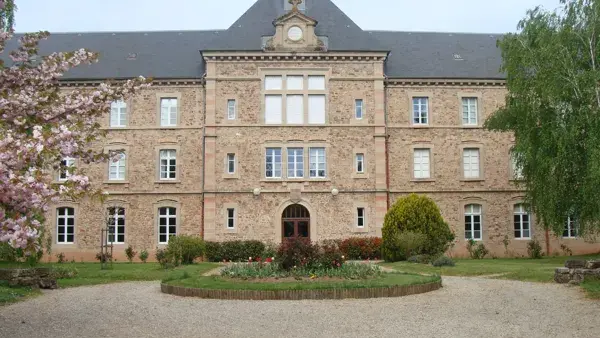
<point>295,3</point>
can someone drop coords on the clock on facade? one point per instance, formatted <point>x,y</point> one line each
<point>295,33</point>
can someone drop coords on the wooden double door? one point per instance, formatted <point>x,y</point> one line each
<point>295,222</point>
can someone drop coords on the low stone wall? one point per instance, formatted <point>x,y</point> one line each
<point>33,277</point>
<point>576,271</point>
<point>358,293</point>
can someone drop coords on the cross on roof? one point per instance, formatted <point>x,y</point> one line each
<point>295,3</point>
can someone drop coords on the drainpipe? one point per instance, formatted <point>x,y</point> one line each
<point>387,138</point>
<point>203,86</point>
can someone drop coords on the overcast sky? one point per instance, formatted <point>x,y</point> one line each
<point>485,16</point>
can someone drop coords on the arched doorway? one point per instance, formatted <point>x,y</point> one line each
<point>295,222</point>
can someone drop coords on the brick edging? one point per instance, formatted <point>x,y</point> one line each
<point>357,293</point>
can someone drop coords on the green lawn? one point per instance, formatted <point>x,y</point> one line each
<point>14,294</point>
<point>179,278</point>
<point>592,287</point>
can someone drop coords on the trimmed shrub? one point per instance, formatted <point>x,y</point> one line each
<point>534,249</point>
<point>476,251</point>
<point>404,245</point>
<point>130,253</point>
<point>443,261</point>
<point>144,255</point>
<point>358,248</point>
<point>212,252</point>
<point>184,249</point>
<point>418,214</point>
<point>236,251</point>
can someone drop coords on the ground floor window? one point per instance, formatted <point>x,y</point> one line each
<point>167,224</point>
<point>571,230</point>
<point>473,221</point>
<point>65,225</point>
<point>521,221</point>
<point>116,225</point>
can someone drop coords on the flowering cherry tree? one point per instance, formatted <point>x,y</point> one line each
<point>39,126</point>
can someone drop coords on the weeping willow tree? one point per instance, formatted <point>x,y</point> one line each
<point>7,15</point>
<point>552,69</point>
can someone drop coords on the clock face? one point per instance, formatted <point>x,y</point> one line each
<point>295,33</point>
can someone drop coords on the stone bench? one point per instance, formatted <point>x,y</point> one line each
<point>576,271</point>
<point>31,277</point>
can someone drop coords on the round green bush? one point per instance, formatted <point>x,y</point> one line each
<point>418,214</point>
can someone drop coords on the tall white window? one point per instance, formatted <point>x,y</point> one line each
<point>116,225</point>
<point>318,164</point>
<point>421,165</point>
<point>231,163</point>
<point>295,99</point>
<point>273,82</point>
<point>118,114</point>
<point>360,217</point>
<point>571,228</point>
<point>273,163</point>
<point>521,222</point>
<point>168,112</point>
<point>358,109</point>
<point>295,109</point>
<point>473,221</point>
<point>231,110</point>
<point>116,168</point>
<point>316,109</point>
<point>295,82</point>
<point>469,108</point>
<point>517,171</point>
<point>273,109</point>
<point>65,225</point>
<point>167,224</point>
<point>420,110</point>
<point>230,218</point>
<point>471,162</point>
<point>295,162</point>
<point>65,164</point>
<point>360,163</point>
<point>168,164</point>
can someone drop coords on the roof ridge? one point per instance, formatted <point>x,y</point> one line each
<point>136,32</point>
<point>430,32</point>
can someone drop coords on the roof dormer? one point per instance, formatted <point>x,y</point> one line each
<point>295,31</point>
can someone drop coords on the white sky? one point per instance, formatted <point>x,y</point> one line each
<point>485,16</point>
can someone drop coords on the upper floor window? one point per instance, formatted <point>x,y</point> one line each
<point>360,163</point>
<point>421,165</point>
<point>473,221</point>
<point>295,99</point>
<point>116,168</point>
<point>318,164</point>
<point>65,225</point>
<point>168,164</point>
<point>521,222</point>
<point>420,106</point>
<point>64,171</point>
<point>471,162</point>
<point>118,114</point>
<point>167,224</point>
<point>571,228</point>
<point>168,112</point>
<point>517,171</point>
<point>360,217</point>
<point>273,163</point>
<point>231,110</point>
<point>295,162</point>
<point>358,109</point>
<point>469,109</point>
<point>116,225</point>
<point>231,163</point>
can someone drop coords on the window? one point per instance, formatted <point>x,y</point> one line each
<point>420,110</point>
<point>231,163</point>
<point>521,222</point>
<point>421,164</point>
<point>316,109</point>
<point>116,225</point>
<point>168,165</point>
<point>65,164</point>
<point>360,163</point>
<point>295,99</point>
<point>360,217</point>
<point>469,107</point>
<point>116,168</point>
<point>358,109</point>
<point>517,171</point>
<point>571,228</point>
<point>273,163</point>
<point>295,162</point>
<point>230,218</point>
<point>471,162</point>
<point>167,224</point>
<point>295,109</point>
<point>273,110</point>
<point>231,113</point>
<point>168,112</point>
<point>65,225</point>
<point>118,114</point>
<point>473,221</point>
<point>318,166</point>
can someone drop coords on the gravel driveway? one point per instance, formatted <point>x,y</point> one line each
<point>465,307</point>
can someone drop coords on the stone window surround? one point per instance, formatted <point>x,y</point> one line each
<point>168,95</point>
<point>462,204</point>
<point>295,144</point>
<point>117,145</point>
<point>472,145</point>
<point>128,110</point>
<point>355,228</point>
<point>464,95</point>
<point>423,145</point>
<point>365,173</point>
<point>225,101</point>
<point>178,157</point>
<point>284,72</point>
<point>514,202</point>
<point>365,117</point>
<point>511,169</point>
<point>236,217</point>
<point>226,174</point>
<point>118,203</point>
<point>54,214</point>
<point>169,203</point>
<point>429,96</point>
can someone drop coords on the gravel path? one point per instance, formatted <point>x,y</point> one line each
<point>465,307</point>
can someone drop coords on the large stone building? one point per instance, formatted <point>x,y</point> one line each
<point>296,122</point>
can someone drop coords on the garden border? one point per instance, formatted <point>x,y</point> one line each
<point>316,294</point>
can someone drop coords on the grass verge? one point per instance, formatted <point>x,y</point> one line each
<point>9,295</point>
<point>592,288</point>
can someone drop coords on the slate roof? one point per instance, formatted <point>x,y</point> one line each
<point>177,54</point>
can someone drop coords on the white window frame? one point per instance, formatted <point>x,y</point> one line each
<point>297,163</point>
<point>468,166</point>
<point>275,166</point>
<point>360,217</point>
<point>422,102</point>
<point>168,216</point>
<point>169,110</point>
<point>231,215</point>
<point>65,217</point>
<point>64,174</point>
<point>418,163</point>
<point>316,166</point>
<point>359,107</point>
<point>471,212</point>
<point>360,163</point>
<point>231,109</point>
<point>571,228</point>
<point>118,114</point>
<point>470,111</point>
<point>118,168</point>
<point>113,218</point>
<point>167,155</point>
<point>231,163</point>
<point>517,172</point>
<point>520,211</point>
